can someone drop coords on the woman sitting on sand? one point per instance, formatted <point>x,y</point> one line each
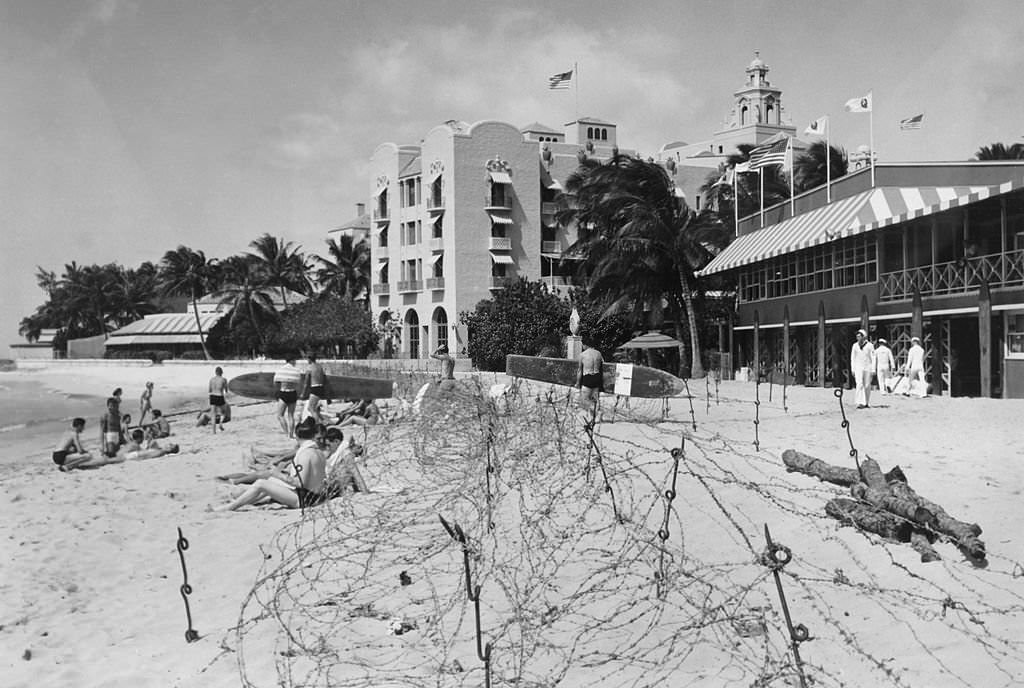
<point>305,491</point>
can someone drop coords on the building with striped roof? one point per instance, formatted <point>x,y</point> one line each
<point>933,250</point>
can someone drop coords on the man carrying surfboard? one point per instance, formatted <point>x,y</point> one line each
<point>588,379</point>
<point>286,380</point>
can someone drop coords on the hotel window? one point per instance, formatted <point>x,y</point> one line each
<point>436,232</point>
<point>438,265</point>
<point>1015,335</point>
<point>499,196</point>
<point>383,241</point>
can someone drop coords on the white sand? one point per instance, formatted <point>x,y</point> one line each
<point>90,574</point>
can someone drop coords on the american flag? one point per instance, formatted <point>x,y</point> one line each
<point>560,81</point>
<point>912,122</point>
<point>772,154</point>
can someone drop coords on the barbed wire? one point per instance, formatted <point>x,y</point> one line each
<point>569,576</point>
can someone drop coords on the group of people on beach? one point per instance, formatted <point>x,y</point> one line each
<point>870,361</point>
<point>119,439</point>
<point>287,381</point>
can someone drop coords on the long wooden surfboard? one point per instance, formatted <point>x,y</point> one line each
<point>261,386</point>
<point>618,378</point>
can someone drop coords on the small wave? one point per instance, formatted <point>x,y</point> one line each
<point>16,426</point>
<point>33,423</point>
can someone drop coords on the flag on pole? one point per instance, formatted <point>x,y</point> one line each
<point>818,127</point>
<point>862,104</point>
<point>560,81</point>
<point>911,122</point>
<point>741,167</point>
<point>772,154</point>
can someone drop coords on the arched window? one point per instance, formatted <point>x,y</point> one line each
<point>590,132</point>
<point>604,134</point>
<point>440,326</point>
<point>412,333</point>
<point>743,115</point>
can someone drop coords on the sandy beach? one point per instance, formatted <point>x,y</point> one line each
<point>563,535</point>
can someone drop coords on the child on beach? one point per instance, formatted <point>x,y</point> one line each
<point>111,434</point>
<point>69,452</point>
<point>145,402</point>
<point>160,427</point>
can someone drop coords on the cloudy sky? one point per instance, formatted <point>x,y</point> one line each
<point>128,127</point>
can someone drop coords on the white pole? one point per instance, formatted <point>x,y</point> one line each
<point>735,201</point>
<point>871,136</point>
<point>792,207</point>
<point>760,177</point>
<point>576,73</point>
<point>828,161</point>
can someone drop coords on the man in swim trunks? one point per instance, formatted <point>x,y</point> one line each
<point>69,452</point>
<point>218,388</point>
<point>588,378</point>
<point>447,366</point>
<point>317,388</point>
<point>287,379</point>
<point>110,428</point>
<point>305,491</point>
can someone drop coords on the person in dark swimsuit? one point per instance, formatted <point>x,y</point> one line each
<point>69,452</point>
<point>589,379</point>
<point>218,389</point>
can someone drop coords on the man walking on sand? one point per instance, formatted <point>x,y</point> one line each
<point>588,378</point>
<point>885,363</point>
<point>915,370</point>
<point>862,367</point>
<point>218,389</point>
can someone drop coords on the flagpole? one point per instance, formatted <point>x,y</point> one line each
<point>760,176</point>
<point>792,202</point>
<point>871,135</point>
<point>735,201</point>
<point>828,160</point>
<point>576,73</point>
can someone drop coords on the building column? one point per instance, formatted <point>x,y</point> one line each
<point>821,343</point>
<point>917,316</point>
<point>733,356</point>
<point>785,342</point>
<point>985,339</point>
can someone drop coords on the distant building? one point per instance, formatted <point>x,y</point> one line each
<point>933,250</point>
<point>465,212</point>
<point>41,348</point>
<point>756,117</point>
<point>358,227</point>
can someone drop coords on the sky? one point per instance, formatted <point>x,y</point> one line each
<point>129,127</point>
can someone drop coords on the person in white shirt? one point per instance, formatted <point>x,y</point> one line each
<point>915,369</point>
<point>884,365</point>
<point>342,471</point>
<point>862,367</point>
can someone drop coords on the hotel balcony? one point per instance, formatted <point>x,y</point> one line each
<point>501,282</point>
<point>435,205</point>
<point>500,244</point>
<point>406,286</point>
<point>548,208</point>
<point>435,244</point>
<point>380,251</point>
<point>382,218</point>
<point>435,283</point>
<point>381,288</point>
<point>957,277</point>
<point>551,247</point>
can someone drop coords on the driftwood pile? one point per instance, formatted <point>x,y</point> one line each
<point>885,504</point>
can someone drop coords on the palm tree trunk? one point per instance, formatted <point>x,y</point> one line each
<point>259,333</point>
<point>199,326</point>
<point>696,366</point>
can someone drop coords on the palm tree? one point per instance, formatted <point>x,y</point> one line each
<point>244,289</point>
<point>282,263</point>
<point>809,168</point>
<point>1000,151</point>
<point>136,293</point>
<point>186,272</point>
<point>347,269</point>
<point>641,243</point>
<point>91,292</point>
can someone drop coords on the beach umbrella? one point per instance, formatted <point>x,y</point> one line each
<point>651,340</point>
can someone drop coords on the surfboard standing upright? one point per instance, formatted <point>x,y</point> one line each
<point>618,378</point>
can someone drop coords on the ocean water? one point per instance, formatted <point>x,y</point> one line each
<point>33,419</point>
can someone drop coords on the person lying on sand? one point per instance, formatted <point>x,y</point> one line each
<point>366,413</point>
<point>140,448</point>
<point>269,464</point>
<point>308,489</point>
<point>69,452</point>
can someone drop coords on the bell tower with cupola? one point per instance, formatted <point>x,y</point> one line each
<point>756,113</point>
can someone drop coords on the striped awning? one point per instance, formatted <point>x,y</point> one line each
<point>502,259</point>
<point>860,213</point>
<point>500,177</point>
<point>500,218</point>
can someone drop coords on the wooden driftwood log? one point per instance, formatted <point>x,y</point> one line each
<point>867,517</point>
<point>888,506</point>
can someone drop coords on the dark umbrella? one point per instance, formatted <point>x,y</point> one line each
<point>651,340</point>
